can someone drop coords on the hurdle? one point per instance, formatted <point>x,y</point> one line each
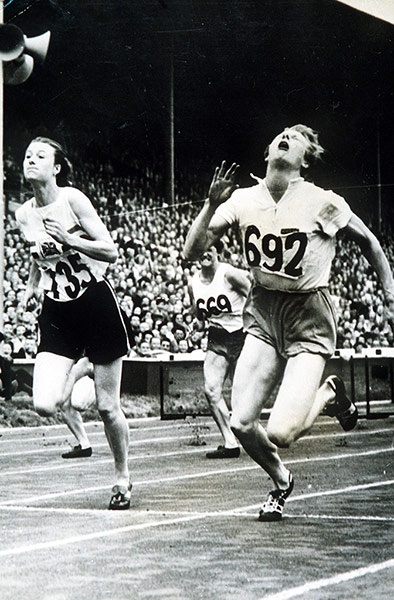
<point>364,363</point>
<point>183,375</point>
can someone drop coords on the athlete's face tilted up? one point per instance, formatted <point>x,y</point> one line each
<point>288,148</point>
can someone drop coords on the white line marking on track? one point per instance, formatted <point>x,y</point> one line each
<point>341,517</point>
<point>82,462</point>
<point>176,424</point>
<point>234,512</point>
<point>59,447</point>
<point>311,516</point>
<point>96,535</point>
<point>46,438</point>
<point>56,448</point>
<point>201,475</point>
<point>330,581</point>
<point>346,490</point>
<point>184,519</point>
<point>78,463</point>
<point>340,456</point>
<point>59,425</point>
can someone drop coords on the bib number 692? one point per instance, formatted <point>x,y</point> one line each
<point>275,253</point>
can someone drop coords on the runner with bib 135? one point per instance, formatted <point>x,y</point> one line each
<point>288,228</point>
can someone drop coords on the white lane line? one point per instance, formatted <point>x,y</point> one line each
<point>164,522</point>
<point>58,447</point>
<point>132,511</point>
<point>233,512</point>
<point>176,424</point>
<point>346,434</point>
<point>97,535</point>
<point>135,483</point>
<point>72,464</point>
<point>59,425</point>
<point>340,456</point>
<point>187,476</point>
<point>246,513</point>
<point>49,438</point>
<point>58,466</point>
<point>330,581</point>
<point>345,490</point>
<point>341,517</point>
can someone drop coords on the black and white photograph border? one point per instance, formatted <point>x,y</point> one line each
<point>147,98</point>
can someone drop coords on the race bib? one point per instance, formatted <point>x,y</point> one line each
<point>277,254</point>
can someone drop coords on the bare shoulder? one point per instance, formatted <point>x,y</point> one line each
<point>80,203</point>
<point>76,197</point>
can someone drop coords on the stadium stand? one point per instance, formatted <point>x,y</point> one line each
<point>150,276</point>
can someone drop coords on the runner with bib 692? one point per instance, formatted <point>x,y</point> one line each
<point>288,228</point>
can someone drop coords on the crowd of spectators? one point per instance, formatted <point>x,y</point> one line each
<point>150,276</point>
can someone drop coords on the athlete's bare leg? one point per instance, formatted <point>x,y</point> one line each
<point>258,370</point>
<point>298,403</point>
<point>216,368</point>
<point>107,383</point>
<point>299,400</point>
<point>74,422</point>
<point>50,376</point>
<point>72,417</point>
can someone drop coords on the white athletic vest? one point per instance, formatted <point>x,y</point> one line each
<point>217,302</point>
<point>288,245</point>
<point>65,273</point>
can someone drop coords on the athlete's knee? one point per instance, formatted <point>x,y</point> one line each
<point>281,436</point>
<point>45,408</point>
<point>240,426</point>
<point>212,394</point>
<point>47,401</point>
<point>110,414</point>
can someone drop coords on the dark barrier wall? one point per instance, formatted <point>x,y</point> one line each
<point>138,376</point>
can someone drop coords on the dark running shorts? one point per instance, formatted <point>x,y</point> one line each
<point>91,325</point>
<point>226,344</point>
<point>292,322</point>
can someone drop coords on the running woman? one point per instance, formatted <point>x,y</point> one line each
<point>218,292</point>
<point>80,315</point>
<point>288,228</point>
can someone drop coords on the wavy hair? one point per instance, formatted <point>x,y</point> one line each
<point>315,149</point>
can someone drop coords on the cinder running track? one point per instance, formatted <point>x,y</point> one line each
<point>192,531</point>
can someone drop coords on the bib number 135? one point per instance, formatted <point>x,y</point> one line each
<point>73,270</point>
<point>275,253</point>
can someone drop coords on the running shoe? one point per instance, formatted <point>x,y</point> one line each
<point>272,508</point>
<point>78,452</point>
<point>223,452</point>
<point>341,407</point>
<point>121,497</point>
